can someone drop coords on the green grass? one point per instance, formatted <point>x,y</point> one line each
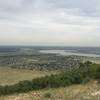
<point>89,91</point>
<point>11,76</point>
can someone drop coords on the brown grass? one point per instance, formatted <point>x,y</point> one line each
<point>12,76</point>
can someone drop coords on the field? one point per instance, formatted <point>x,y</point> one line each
<point>89,91</point>
<point>10,76</point>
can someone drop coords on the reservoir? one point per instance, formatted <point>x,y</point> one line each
<point>68,53</point>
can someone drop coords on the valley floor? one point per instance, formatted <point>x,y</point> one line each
<point>89,91</point>
<point>10,76</point>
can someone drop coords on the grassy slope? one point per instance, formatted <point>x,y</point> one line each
<point>89,91</point>
<point>11,76</point>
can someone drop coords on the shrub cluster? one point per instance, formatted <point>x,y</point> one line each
<point>84,73</point>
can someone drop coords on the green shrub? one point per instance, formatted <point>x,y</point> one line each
<point>87,79</point>
<point>47,95</point>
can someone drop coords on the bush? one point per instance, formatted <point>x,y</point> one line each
<point>47,95</point>
<point>87,79</point>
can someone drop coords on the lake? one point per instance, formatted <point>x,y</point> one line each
<point>68,53</point>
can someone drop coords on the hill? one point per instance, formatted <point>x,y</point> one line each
<point>88,91</point>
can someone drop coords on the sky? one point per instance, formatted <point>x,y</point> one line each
<point>50,22</point>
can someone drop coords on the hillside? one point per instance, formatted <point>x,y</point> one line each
<point>10,76</point>
<point>89,91</point>
<point>85,73</point>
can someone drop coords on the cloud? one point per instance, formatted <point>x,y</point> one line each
<point>65,22</point>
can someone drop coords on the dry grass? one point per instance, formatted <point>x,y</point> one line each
<point>90,91</point>
<point>11,76</point>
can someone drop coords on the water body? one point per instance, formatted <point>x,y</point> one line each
<point>68,53</point>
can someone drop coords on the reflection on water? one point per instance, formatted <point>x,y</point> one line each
<point>68,52</point>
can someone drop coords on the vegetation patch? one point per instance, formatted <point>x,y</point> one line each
<point>47,95</point>
<point>74,76</point>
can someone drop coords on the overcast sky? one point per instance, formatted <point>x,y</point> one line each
<point>50,22</point>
